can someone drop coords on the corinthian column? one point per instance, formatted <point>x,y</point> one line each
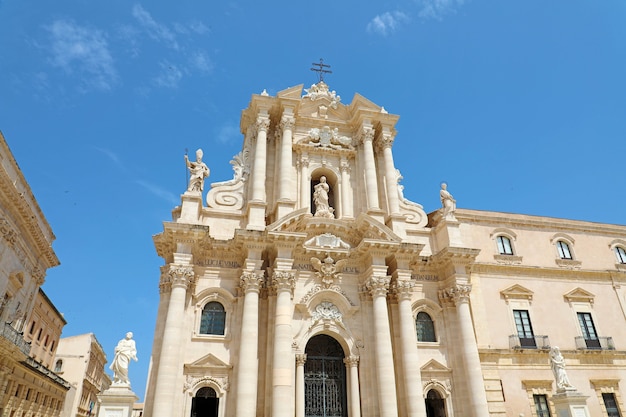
<point>391,178</point>
<point>305,198</point>
<point>282,376</point>
<point>367,136</point>
<point>410,363</point>
<point>177,278</point>
<point>247,373</point>
<point>286,176</point>
<point>346,200</point>
<point>458,295</point>
<point>352,363</point>
<point>300,361</point>
<point>260,158</point>
<point>388,403</point>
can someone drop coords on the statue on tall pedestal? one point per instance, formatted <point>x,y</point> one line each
<point>557,362</point>
<point>198,170</point>
<point>124,352</point>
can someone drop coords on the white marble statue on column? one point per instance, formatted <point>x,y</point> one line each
<point>198,170</point>
<point>124,352</point>
<point>557,362</point>
<point>320,199</point>
<point>447,201</point>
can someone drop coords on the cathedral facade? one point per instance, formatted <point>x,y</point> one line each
<point>308,285</point>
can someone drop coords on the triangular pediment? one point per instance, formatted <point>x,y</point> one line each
<point>294,92</point>
<point>209,361</point>
<point>434,366</point>
<point>517,292</point>
<point>579,295</point>
<point>360,102</point>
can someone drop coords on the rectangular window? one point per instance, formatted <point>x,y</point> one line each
<point>588,330</point>
<point>611,405</point>
<point>564,252</point>
<point>541,405</point>
<point>504,245</point>
<point>524,329</point>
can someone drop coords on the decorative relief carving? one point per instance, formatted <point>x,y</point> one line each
<point>177,275</point>
<point>327,138</point>
<point>287,122</point>
<point>351,361</point>
<point>321,90</point>
<point>336,288</point>
<point>378,286</point>
<point>327,240</point>
<point>365,135</point>
<point>262,124</point>
<point>251,281</point>
<point>300,359</point>
<point>7,232</point>
<point>283,280</point>
<point>385,141</point>
<point>455,294</point>
<point>327,311</point>
<point>328,269</point>
<point>192,382</point>
<point>403,289</point>
<point>344,165</point>
<point>230,194</point>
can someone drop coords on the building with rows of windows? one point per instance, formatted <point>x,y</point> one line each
<point>308,285</point>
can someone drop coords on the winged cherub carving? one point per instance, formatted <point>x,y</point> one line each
<point>328,269</point>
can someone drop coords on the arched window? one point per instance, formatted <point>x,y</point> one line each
<point>425,328</point>
<point>504,245</point>
<point>621,254</point>
<point>564,251</point>
<point>213,320</point>
<point>58,366</point>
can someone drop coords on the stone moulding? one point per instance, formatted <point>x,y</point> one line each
<point>230,194</point>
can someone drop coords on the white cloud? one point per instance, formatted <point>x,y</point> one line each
<point>200,60</point>
<point>155,30</point>
<point>387,22</point>
<point>170,75</point>
<point>158,191</point>
<point>112,155</point>
<point>229,133</point>
<point>436,9</point>
<point>85,51</point>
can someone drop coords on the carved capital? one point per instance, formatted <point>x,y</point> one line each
<point>344,166</point>
<point>283,281</point>
<point>287,122</point>
<point>403,289</point>
<point>262,124</point>
<point>300,359</point>
<point>251,281</point>
<point>351,361</point>
<point>180,275</point>
<point>7,232</point>
<point>378,286</point>
<point>385,141</point>
<point>366,135</point>
<point>304,160</point>
<point>455,294</point>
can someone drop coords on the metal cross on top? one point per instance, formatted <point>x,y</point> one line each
<point>321,69</point>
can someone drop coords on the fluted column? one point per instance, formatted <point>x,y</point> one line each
<point>458,295</point>
<point>391,177</point>
<point>305,198</point>
<point>260,158</point>
<point>352,363</point>
<point>346,200</point>
<point>282,376</point>
<point>300,361</point>
<point>286,177</point>
<point>410,361</point>
<point>247,373</point>
<point>178,278</point>
<point>367,136</point>
<point>386,381</point>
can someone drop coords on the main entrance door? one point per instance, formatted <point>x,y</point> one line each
<point>205,403</point>
<point>325,378</point>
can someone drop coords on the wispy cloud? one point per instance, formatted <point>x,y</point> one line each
<point>228,133</point>
<point>110,154</point>
<point>155,30</point>
<point>200,61</point>
<point>169,76</point>
<point>84,51</point>
<point>158,191</point>
<point>436,9</point>
<point>386,23</point>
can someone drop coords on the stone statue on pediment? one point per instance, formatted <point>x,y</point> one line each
<point>320,199</point>
<point>124,352</point>
<point>447,201</point>
<point>198,170</point>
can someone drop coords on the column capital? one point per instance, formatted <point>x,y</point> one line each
<point>287,122</point>
<point>385,141</point>
<point>262,124</point>
<point>366,134</point>
<point>176,276</point>
<point>283,281</point>
<point>301,359</point>
<point>251,281</point>
<point>352,361</point>
<point>403,289</point>
<point>455,294</point>
<point>344,165</point>
<point>378,286</point>
<point>304,160</point>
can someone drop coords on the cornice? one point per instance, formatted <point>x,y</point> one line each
<point>541,271</point>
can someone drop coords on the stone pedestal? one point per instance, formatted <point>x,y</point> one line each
<point>191,207</point>
<point>117,401</point>
<point>571,404</point>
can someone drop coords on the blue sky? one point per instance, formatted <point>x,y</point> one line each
<point>519,105</point>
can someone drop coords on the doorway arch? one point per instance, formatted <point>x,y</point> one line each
<point>435,404</point>
<point>205,403</point>
<point>325,378</point>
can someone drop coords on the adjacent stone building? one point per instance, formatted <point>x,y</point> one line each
<point>308,285</point>
<point>30,325</point>
<point>80,360</point>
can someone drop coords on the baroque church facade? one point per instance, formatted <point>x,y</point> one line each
<point>308,285</point>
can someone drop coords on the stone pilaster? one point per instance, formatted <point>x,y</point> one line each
<point>256,207</point>
<point>367,137</point>
<point>346,196</point>
<point>352,365</point>
<point>305,185</point>
<point>300,361</point>
<point>391,177</point>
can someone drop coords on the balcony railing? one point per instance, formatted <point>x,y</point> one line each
<point>9,333</point>
<point>535,342</point>
<point>599,343</point>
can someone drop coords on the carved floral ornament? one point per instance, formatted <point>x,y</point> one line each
<point>378,286</point>
<point>283,280</point>
<point>177,275</point>
<point>328,269</point>
<point>192,383</point>
<point>455,294</point>
<point>251,280</point>
<point>262,124</point>
<point>403,289</point>
<point>327,311</point>
<point>230,194</point>
<point>321,90</point>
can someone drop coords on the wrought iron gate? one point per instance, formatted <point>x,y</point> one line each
<point>325,378</point>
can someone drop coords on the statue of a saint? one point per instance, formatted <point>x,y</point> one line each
<point>557,362</point>
<point>320,199</point>
<point>124,352</point>
<point>198,170</point>
<point>447,201</point>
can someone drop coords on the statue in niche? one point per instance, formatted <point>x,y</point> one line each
<point>198,170</point>
<point>320,199</point>
<point>124,352</point>
<point>557,362</point>
<point>447,201</point>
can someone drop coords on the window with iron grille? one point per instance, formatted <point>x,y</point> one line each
<point>588,330</point>
<point>425,328</point>
<point>611,405</point>
<point>524,329</point>
<point>213,320</point>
